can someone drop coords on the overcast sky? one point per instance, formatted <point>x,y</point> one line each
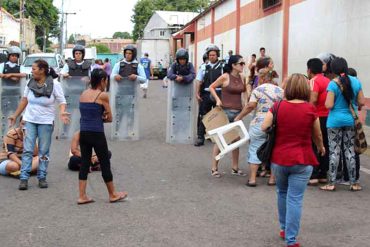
<point>98,18</point>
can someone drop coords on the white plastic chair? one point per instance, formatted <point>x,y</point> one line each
<point>218,136</point>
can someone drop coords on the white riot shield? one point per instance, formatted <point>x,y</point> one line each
<point>181,113</point>
<point>11,93</point>
<point>72,88</point>
<point>125,110</point>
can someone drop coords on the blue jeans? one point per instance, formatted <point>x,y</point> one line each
<point>291,182</point>
<point>43,133</point>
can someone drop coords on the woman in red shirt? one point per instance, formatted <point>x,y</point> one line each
<point>292,156</point>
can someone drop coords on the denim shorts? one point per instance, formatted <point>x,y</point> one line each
<point>3,167</point>
<point>257,138</point>
<point>231,114</point>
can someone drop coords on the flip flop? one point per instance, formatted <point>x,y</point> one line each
<point>249,184</point>
<point>85,202</point>
<point>123,196</point>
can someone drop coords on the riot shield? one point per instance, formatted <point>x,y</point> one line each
<point>181,113</point>
<point>72,88</point>
<point>11,93</point>
<point>125,110</point>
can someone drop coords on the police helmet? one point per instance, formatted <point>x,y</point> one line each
<point>80,48</point>
<point>213,47</point>
<point>182,54</point>
<point>14,50</point>
<point>130,48</point>
<point>205,57</point>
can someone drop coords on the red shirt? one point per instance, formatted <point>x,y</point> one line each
<point>319,84</point>
<point>293,140</point>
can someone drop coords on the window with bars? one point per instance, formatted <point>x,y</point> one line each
<point>162,33</point>
<point>270,3</point>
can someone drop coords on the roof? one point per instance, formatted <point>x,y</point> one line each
<point>176,17</point>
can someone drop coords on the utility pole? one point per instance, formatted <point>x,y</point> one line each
<point>61,38</point>
<point>21,26</point>
<point>68,13</point>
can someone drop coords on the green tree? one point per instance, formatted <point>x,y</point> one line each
<point>122,35</point>
<point>101,48</point>
<point>71,39</point>
<point>43,14</point>
<point>144,9</point>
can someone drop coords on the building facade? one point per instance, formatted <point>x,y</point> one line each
<point>292,31</point>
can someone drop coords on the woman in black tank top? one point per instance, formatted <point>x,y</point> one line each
<point>95,110</point>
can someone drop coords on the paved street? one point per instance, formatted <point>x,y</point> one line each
<point>173,200</point>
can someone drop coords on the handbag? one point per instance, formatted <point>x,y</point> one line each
<point>264,152</point>
<point>360,138</point>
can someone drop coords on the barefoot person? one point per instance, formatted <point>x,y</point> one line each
<point>95,110</point>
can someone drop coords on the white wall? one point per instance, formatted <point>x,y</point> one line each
<point>341,28</point>
<point>201,49</point>
<point>226,41</point>
<point>154,26</point>
<point>157,49</point>
<point>204,21</point>
<point>224,9</point>
<point>9,28</point>
<point>266,32</point>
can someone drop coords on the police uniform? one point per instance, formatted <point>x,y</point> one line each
<point>125,69</point>
<point>207,74</point>
<point>77,69</point>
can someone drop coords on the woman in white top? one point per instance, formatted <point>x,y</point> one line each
<point>39,98</point>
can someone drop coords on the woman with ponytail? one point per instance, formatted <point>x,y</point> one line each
<point>233,86</point>
<point>343,91</point>
<point>40,96</point>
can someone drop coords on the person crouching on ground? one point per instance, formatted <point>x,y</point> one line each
<point>297,124</point>
<point>75,160</point>
<point>95,111</point>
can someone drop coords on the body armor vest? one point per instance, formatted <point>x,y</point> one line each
<point>212,74</point>
<point>126,69</point>
<point>182,69</point>
<point>10,70</point>
<point>79,70</point>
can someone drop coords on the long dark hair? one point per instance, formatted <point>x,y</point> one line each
<point>97,75</point>
<point>339,67</point>
<point>232,60</point>
<point>48,71</point>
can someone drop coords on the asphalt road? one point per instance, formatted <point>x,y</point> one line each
<point>173,200</point>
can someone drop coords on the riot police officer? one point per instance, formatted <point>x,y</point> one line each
<point>181,71</point>
<point>129,67</point>
<point>10,69</point>
<point>206,76</point>
<point>78,66</point>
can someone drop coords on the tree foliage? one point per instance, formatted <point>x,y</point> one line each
<point>71,39</point>
<point>101,48</point>
<point>144,9</point>
<point>43,14</point>
<point>122,35</point>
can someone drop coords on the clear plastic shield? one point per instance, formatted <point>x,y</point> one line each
<point>181,113</point>
<point>11,93</point>
<point>125,110</point>
<point>72,88</point>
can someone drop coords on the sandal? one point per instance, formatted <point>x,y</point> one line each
<point>249,184</point>
<point>355,187</point>
<point>215,173</point>
<point>238,172</point>
<point>328,187</point>
<point>313,182</point>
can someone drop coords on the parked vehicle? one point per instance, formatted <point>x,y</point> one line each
<point>54,60</point>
